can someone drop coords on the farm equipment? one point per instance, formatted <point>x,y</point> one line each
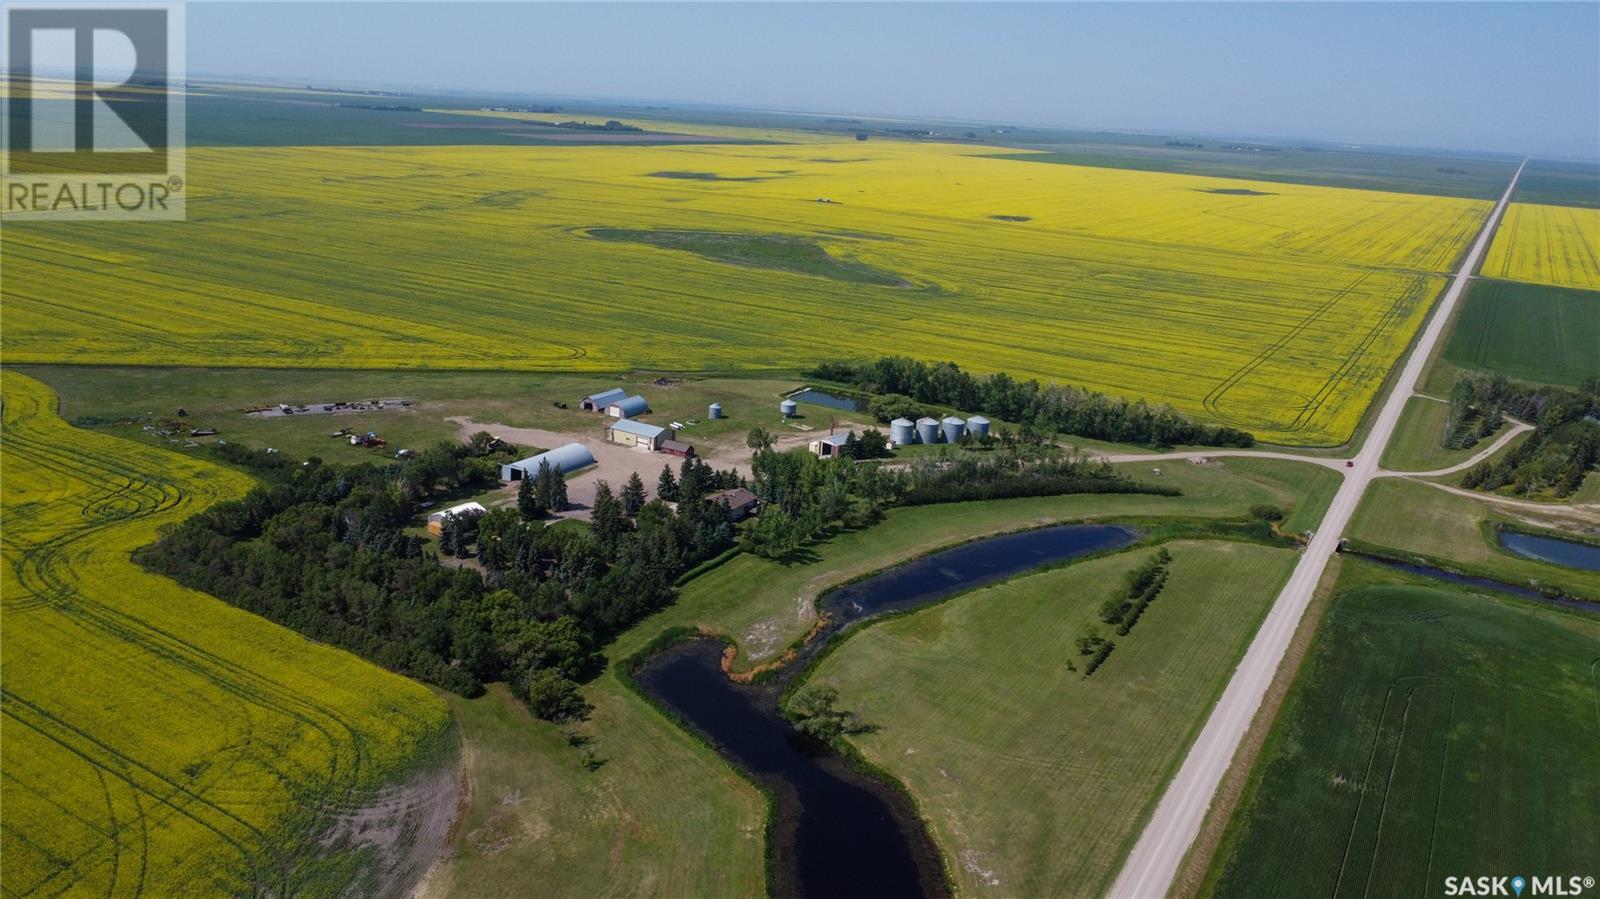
<point>368,439</point>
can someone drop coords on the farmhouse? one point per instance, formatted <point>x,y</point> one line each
<point>677,448</point>
<point>465,510</point>
<point>740,502</point>
<point>597,402</point>
<point>628,407</point>
<point>564,459</point>
<point>831,446</point>
<point>624,432</point>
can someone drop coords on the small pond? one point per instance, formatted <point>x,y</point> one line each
<point>1556,551</point>
<point>818,398</point>
<point>838,831</point>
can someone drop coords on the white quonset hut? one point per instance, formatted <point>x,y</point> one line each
<point>564,459</point>
<point>465,510</point>
<point>636,433</point>
<point>597,402</point>
<point>628,407</point>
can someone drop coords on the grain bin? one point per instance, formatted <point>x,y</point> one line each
<point>978,426</point>
<point>902,432</point>
<point>928,430</point>
<point>788,408</point>
<point>953,428</point>
<point>714,411</point>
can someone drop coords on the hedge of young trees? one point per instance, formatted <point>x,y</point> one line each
<point>906,388</point>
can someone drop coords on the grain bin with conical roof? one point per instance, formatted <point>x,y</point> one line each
<point>928,430</point>
<point>953,428</point>
<point>978,426</point>
<point>902,432</point>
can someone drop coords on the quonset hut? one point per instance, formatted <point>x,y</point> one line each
<point>902,432</point>
<point>564,459</point>
<point>597,402</point>
<point>628,407</point>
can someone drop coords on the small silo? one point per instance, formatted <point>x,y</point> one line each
<point>928,430</point>
<point>788,408</point>
<point>978,426</point>
<point>714,410</point>
<point>953,428</point>
<point>902,432</point>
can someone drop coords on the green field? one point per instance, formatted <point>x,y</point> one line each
<point>630,813</point>
<point>1034,778</point>
<point>1528,331</point>
<point>1430,733</point>
<point>1415,518</point>
<point>1416,445</point>
<point>1560,183</point>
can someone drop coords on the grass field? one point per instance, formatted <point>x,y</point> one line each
<point>1279,312</point>
<point>1529,332</point>
<point>1555,245</point>
<point>157,741</point>
<point>1416,445</point>
<point>1431,733</point>
<point>1034,778</point>
<point>630,814</point>
<point>1560,183</point>
<point>1415,518</point>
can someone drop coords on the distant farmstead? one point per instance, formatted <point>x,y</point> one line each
<point>597,402</point>
<point>564,459</point>
<point>624,432</point>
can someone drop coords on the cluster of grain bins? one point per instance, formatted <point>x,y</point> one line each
<point>905,432</point>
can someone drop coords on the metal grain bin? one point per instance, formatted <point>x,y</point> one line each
<point>953,428</point>
<point>715,410</point>
<point>902,432</point>
<point>928,430</point>
<point>978,426</point>
<point>788,408</point>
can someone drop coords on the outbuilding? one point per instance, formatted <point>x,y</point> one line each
<point>465,510</point>
<point>628,407</point>
<point>740,502</point>
<point>624,432</point>
<point>564,459</point>
<point>597,402</point>
<point>677,448</point>
<point>831,446</point>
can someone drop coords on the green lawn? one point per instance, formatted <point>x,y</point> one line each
<point>1034,778</point>
<point>1416,445</point>
<point>1431,732</point>
<point>1528,331</point>
<point>662,802</point>
<point>1415,518</point>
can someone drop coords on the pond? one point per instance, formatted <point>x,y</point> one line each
<point>1556,551</point>
<point>818,398</point>
<point>838,831</point>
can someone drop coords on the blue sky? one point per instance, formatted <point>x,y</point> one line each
<point>1518,77</point>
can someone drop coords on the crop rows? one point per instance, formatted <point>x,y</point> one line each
<point>1555,245</point>
<point>1278,311</point>
<point>157,741</point>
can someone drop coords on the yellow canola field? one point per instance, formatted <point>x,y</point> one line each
<point>1557,245</point>
<point>155,741</point>
<point>1278,309</point>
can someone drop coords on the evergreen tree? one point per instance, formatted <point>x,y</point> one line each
<point>528,505</point>
<point>633,495</point>
<point>606,520</point>
<point>667,485</point>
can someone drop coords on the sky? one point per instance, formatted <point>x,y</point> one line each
<point>1517,77</point>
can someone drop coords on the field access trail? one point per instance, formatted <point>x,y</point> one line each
<point>1151,866</point>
